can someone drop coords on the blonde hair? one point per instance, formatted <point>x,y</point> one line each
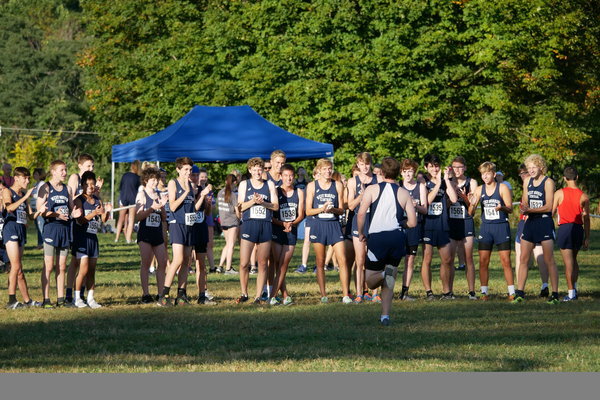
<point>538,161</point>
<point>487,167</point>
<point>278,153</point>
<point>323,162</point>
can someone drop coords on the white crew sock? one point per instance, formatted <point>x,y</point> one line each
<point>384,317</point>
<point>544,286</point>
<point>90,295</point>
<point>511,289</point>
<point>571,293</point>
<point>484,289</point>
<point>77,294</point>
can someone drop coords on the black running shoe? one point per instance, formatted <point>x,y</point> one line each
<point>545,292</point>
<point>242,299</point>
<point>147,299</point>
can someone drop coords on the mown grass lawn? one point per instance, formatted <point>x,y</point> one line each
<point>462,335</point>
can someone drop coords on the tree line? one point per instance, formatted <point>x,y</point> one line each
<point>484,79</point>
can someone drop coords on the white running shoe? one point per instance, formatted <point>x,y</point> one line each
<point>93,305</point>
<point>79,303</point>
<point>347,300</point>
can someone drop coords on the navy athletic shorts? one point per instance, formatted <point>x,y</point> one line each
<point>436,238</point>
<point>383,249</point>
<point>326,232</point>
<point>539,229</point>
<point>461,228</point>
<point>285,238</point>
<point>182,234</point>
<point>570,236</point>
<point>494,233</point>
<point>256,231</point>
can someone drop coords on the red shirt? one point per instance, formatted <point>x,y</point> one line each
<point>570,210</point>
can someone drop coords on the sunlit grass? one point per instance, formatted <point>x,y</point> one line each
<point>463,335</point>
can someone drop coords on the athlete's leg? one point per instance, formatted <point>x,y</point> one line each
<point>526,249</point>
<point>548,247</point>
<point>320,262</point>
<point>446,268</point>
<point>426,266</point>
<point>263,251</point>
<point>146,255</point>
<point>360,254</point>
<point>484,262</point>
<point>246,250</point>
<point>339,251</point>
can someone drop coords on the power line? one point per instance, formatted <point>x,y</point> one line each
<point>47,131</point>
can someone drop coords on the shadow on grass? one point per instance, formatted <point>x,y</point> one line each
<point>486,337</point>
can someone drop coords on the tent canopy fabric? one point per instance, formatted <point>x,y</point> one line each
<point>220,134</point>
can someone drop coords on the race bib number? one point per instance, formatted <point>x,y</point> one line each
<point>258,212</point>
<point>326,215</point>
<point>536,203</point>
<point>435,209</point>
<point>190,219</point>
<point>457,211</point>
<point>491,213</point>
<point>21,217</point>
<point>93,226</point>
<point>200,217</point>
<point>153,220</point>
<point>62,209</point>
<point>288,214</point>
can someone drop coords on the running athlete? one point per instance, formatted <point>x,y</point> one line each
<point>285,231</point>
<point>391,211</point>
<point>496,204</point>
<point>573,209</point>
<point>181,231</point>
<point>92,213</point>
<point>57,231</point>
<point>151,215</point>
<point>356,186</point>
<point>414,236</point>
<point>538,253</point>
<point>257,200</point>
<point>462,227</point>
<point>325,201</point>
<point>440,192</point>
<point>230,221</point>
<point>13,233</point>
<point>536,203</point>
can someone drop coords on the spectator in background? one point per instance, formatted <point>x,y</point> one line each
<point>128,189</point>
<point>7,179</point>
<point>230,221</point>
<point>500,179</point>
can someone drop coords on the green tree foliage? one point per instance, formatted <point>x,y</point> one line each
<point>481,78</point>
<point>40,83</point>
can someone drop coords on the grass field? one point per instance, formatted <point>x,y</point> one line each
<point>462,335</point>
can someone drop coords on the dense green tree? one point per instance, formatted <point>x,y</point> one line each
<point>40,83</point>
<point>485,79</point>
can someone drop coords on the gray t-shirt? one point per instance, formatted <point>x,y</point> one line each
<point>227,209</point>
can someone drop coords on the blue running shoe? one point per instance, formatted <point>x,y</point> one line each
<point>567,298</point>
<point>301,269</point>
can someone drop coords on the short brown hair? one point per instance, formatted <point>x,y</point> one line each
<point>460,159</point>
<point>407,163</point>
<point>21,171</point>
<point>254,161</point>
<point>181,161</point>
<point>56,163</point>
<point>364,157</point>
<point>390,168</point>
<point>149,173</point>
<point>84,157</point>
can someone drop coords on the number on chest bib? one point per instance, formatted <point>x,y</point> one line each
<point>288,214</point>
<point>21,217</point>
<point>190,219</point>
<point>435,208</point>
<point>200,217</point>
<point>536,203</point>
<point>491,213</point>
<point>153,220</point>
<point>457,211</point>
<point>258,212</point>
<point>93,226</point>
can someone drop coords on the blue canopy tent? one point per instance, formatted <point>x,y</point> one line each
<point>219,134</point>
